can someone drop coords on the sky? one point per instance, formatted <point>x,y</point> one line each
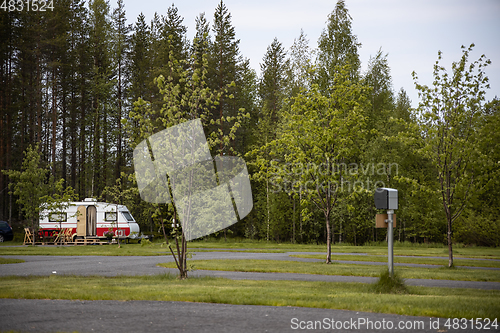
<point>410,32</point>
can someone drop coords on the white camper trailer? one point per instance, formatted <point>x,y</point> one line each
<point>90,218</point>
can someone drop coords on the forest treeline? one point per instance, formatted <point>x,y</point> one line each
<point>318,133</point>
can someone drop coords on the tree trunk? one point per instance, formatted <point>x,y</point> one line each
<point>449,216</point>
<point>328,239</point>
<point>64,140</point>
<point>450,249</point>
<point>119,123</point>
<point>293,231</point>
<point>267,204</point>
<point>300,214</point>
<point>54,121</point>
<point>83,141</point>
<point>181,257</point>
<point>183,273</point>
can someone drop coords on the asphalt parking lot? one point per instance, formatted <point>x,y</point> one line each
<point>147,265</point>
<point>152,316</point>
<point>23,315</point>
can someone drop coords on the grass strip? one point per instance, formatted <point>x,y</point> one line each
<point>159,248</point>
<point>406,260</point>
<point>10,261</point>
<point>89,250</point>
<point>285,266</point>
<point>420,301</point>
<point>406,248</point>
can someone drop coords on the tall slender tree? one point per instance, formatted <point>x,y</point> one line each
<point>223,65</point>
<point>300,65</point>
<point>201,43</point>
<point>271,93</point>
<point>318,133</point>
<point>121,46</point>
<point>448,113</point>
<point>140,60</point>
<point>102,83</point>
<point>337,47</point>
<point>7,49</point>
<point>271,87</point>
<point>378,78</point>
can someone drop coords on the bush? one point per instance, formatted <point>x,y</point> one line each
<point>478,230</point>
<point>388,285</point>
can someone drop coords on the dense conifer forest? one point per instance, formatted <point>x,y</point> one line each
<point>80,88</point>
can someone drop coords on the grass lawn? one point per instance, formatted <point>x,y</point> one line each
<point>158,248</point>
<point>407,249</point>
<point>421,301</point>
<point>409,260</point>
<point>283,266</point>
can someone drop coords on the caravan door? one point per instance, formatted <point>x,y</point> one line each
<point>91,220</point>
<point>81,221</point>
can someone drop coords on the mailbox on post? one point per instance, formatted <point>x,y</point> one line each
<point>387,198</point>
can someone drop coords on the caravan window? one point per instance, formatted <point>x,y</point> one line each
<point>110,216</point>
<point>57,217</point>
<point>128,216</point>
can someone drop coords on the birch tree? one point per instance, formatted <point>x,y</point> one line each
<point>448,114</point>
<point>318,133</point>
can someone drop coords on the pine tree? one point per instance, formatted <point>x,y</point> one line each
<point>140,63</point>
<point>120,49</point>
<point>7,47</point>
<point>173,36</point>
<point>246,99</point>
<point>168,41</point>
<point>82,97</point>
<point>201,43</point>
<point>271,87</point>
<point>223,61</point>
<point>102,82</point>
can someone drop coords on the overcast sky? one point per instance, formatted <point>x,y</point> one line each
<point>411,32</point>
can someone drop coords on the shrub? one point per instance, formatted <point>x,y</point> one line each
<point>388,285</point>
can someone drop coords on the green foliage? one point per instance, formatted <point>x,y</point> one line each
<point>337,48</point>
<point>35,190</point>
<point>30,184</point>
<point>186,96</point>
<point>318,134</point>
<point>75,75</point>
<point>299,66</point>
<point>472,228</point>
<point>448,117</point>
